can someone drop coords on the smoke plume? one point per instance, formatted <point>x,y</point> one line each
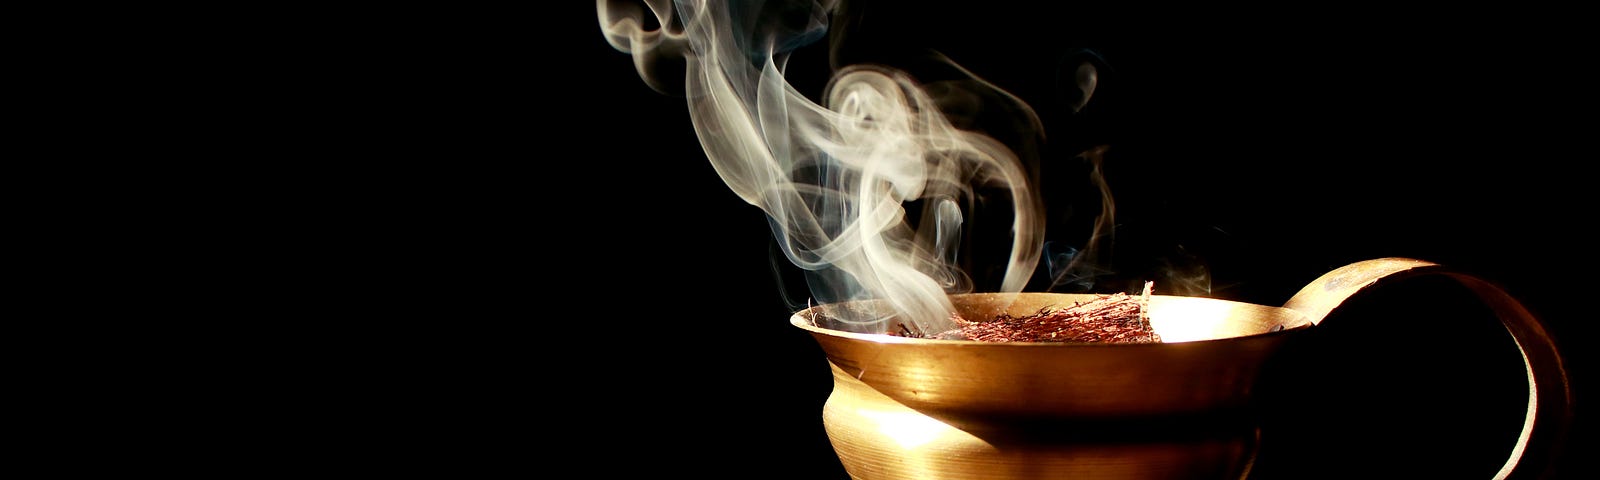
<point>867,189</point>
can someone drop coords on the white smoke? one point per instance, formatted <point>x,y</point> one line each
<point>835,178</point>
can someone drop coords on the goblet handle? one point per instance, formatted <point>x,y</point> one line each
<point>1549,415</point>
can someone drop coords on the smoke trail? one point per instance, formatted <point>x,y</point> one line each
<point>836,178</point>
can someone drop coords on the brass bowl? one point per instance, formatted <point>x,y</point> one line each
<point>957,379</point>
<point>906,408</point>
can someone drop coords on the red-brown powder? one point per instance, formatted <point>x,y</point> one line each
<point>1114,318</point>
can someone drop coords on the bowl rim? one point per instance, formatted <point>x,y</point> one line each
<point>800,319</point>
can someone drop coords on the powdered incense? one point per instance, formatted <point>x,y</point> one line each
<point>1114,318</point>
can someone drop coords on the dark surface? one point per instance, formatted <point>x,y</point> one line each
<point>576,273</point>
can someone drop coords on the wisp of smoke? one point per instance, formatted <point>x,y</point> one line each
<point>834,178</point>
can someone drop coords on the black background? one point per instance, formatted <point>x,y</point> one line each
<point>569,278</point>
<point>1273,145</point>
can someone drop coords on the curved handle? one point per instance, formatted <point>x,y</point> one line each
<point>1544,429</point>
